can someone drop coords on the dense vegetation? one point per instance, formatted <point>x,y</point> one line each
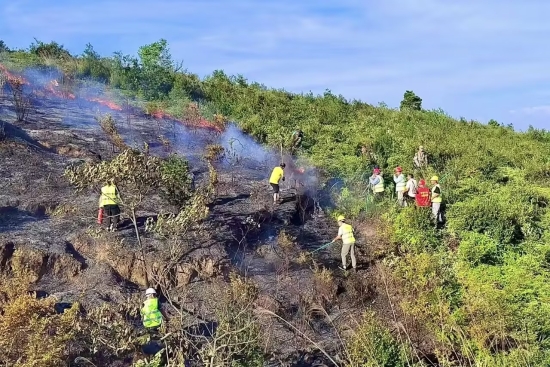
<point>480,287</point>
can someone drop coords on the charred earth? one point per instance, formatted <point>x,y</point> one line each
<point>303,303</point>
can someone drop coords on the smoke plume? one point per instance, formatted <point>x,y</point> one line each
<point>79,102</point>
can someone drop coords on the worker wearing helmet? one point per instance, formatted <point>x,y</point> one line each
<point>410,190</point>
<point>277,175</point>
<point>364,150</point>
<point>400,184</point>
<point>152,317</point>
<point>297,137</point>
<point>422,195</point>
<point>420,159</point>
<point>436,198</point>
<point>377,183</point>
<point>345,233</point>
<point>108,201</point>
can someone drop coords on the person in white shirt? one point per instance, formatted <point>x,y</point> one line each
<point>410,190</point>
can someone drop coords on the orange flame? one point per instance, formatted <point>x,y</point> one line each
<point>53,88</point>
<point>104,102</point>
<point>12,78</point>
<point>202,123</point>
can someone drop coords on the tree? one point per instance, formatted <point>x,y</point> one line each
<point>219,88</point>
<point>39,336</point>
<point>137,175</point>
<point>93,66</point>
<point>125,73</point>
<point>49,50</point>
<point>108,125</point>
<point>20,98</point>
<point>156,70</point>
<point>411,101</point>
<point>187,85</point>
<point>493,123</point>
<point>236,338</point>
<point>155,54</point>
<point>3,47</point>
<point>176,181</point>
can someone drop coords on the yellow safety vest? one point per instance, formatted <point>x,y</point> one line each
<point>108,195</point>
<point>151,314</point>
<point>347,234</point>
<point>437,199</point>
<point>379,187</point>
<point>400,186</point>
<point>276,175</point>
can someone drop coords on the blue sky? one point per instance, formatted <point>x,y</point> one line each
<point>477,59</point>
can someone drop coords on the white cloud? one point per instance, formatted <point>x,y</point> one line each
<point>454,55</point>
<point>535,110</point>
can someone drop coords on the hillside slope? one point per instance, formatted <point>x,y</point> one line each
<point>473,293</point>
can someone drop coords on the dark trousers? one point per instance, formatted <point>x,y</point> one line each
<point>112,214</point>
<point>153,332</point>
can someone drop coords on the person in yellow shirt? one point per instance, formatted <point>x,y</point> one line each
<point>277,175</point>
<point>345,233</point>
<point>150,312</point>
<point>109,200</point>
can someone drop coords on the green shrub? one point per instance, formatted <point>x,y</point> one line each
<point>429,287</point>
<point>507,214</point>
<point>350,204</point>
<point>531,356</point>
<point>476,249</point>
<point>504,304</point>
<point>495,183</point>
<point>176,179</point>
<point>372,345</point>
<point>413,229</point>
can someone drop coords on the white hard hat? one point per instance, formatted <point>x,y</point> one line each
<point>150,291</point>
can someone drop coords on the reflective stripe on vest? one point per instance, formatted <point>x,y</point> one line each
<point>379,187</point>
<point>151,314</point>
<point>400,186</point>
<point>347,234</point>
<point>437,199</point>
<point>108,195</point>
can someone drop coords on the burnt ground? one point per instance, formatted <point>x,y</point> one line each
<point>48,228</point>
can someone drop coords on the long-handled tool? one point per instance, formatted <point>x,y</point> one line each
<point>322,247</point>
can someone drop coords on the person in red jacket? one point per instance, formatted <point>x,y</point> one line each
<point>422,195</point>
